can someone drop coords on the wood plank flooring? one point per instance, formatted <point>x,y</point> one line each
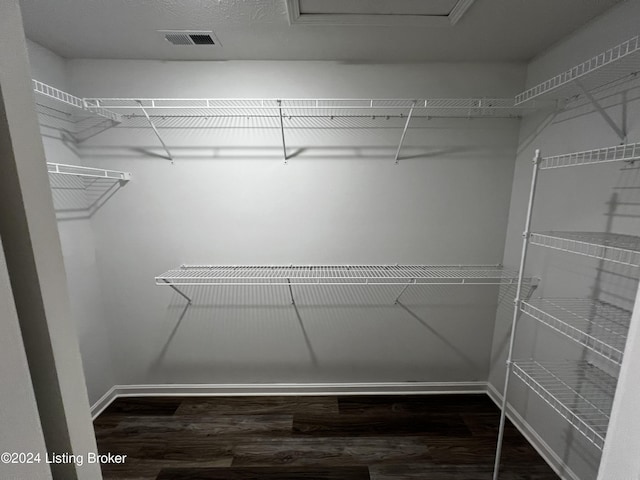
<point>426,437</point>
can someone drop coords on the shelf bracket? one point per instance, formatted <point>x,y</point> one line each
<point>155,130</point>
<point>614,126</point>
<point>293,302</point>
<point>404,133</point>
<point>284,145</point>
<point>397,300</point>
<point>188,299</point>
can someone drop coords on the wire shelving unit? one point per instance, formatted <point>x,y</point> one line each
<point>312,107</point>
<point>278,113</point>
<point>599,326</point>
<point>580,392</point>
<point>618,153</point>
<point>77,103</point>
<point>87,172</point>
<point>337,275</point>
<point>611,247</point>
<point>605,68</point>
<point>364,275</point>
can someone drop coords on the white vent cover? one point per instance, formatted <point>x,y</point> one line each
<point>190,37</point>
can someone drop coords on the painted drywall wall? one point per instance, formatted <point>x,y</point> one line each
<point>341,200</point>
<point>73,201</point>
<point>35,263</point>
<point>598,198</point>
<point>18,409</point>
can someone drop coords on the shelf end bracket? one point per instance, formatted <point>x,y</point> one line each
<point>155,130</point>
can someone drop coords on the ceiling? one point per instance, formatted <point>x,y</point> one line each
<point>490,30</point>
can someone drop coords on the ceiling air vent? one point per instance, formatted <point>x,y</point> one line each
<point>188,37</point>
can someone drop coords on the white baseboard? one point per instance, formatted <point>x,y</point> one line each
<point>549,456</point>
<point>298,389</point>
<point>103,402</point>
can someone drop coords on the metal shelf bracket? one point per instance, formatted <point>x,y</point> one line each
<point>614,126</point>
<point>187,298</point>
<point>293,302</point>
<point>155,130</point>
<point>404,132</point>
<point>284,144</point>
<point>397,300</point>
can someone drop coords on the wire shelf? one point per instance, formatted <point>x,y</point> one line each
<point>312,108</point>
<point>580,392</point>
<point>79,171</point>
<point>338,275</point>
<point>73,101</point>
<point>600,326</point>
<point>611,247</point>
<point>619,153</point>
<point>610,66</point>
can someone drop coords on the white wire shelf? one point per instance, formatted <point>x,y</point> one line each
<point>338,275</point>
<point>611,247</point>
<point>580,392</point>
<point>610,66</point>
<point>73,101</point>
<point>619,153</point>
<point>79,171</point>
<point>311,108</point>
<point>601,327</point>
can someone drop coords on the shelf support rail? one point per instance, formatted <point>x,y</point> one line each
<point>614,126</point>
<point>516,310</point>
<point>284,144</point>
<point>155,130</point>
<point>404,132</point>
<point>187,298</point>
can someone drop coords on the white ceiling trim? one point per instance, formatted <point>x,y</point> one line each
<point>296,17</point>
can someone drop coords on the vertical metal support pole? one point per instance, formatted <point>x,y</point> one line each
<point>404,133</point>
<point>516,308</point>
<point>284,145</point>
<point>164,145</point>
<point>621,133</point>
<point>293,302</point>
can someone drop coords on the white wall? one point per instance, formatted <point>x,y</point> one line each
<point>18,409</point>
<point>230,200</point>
<point>73,198</point>
<point>598,198</point>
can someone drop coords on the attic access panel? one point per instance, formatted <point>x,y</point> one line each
<point>428,13</point>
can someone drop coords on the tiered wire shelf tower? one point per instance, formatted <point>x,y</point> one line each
<point>580,392</point>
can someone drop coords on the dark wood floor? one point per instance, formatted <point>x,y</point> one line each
<point>426,437</point>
